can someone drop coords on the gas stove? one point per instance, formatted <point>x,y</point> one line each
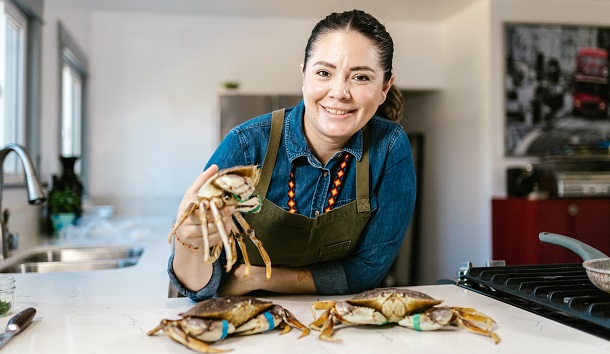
<point>561,292</point>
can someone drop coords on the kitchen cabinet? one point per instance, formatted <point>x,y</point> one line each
<point>516,223</point>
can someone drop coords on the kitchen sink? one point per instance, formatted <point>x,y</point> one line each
<point>71,259</point>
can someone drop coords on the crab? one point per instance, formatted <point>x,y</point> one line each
<point>214,319</point>
<point>232,187</point>
<point>408,308</point>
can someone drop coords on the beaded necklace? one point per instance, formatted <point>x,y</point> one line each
<point>334,192</point>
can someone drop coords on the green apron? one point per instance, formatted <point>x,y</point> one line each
<point>294,240</point>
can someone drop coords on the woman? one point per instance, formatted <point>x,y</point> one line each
<point>337,176</point>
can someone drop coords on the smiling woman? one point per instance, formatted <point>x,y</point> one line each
<point>337,180</point>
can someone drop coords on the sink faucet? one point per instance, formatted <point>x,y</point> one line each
<point>35,192</point>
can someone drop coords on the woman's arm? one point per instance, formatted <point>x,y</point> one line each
<point>283,280</point>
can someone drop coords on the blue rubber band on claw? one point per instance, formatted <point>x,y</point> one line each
<point>270,320</point>
<point>225,330</point>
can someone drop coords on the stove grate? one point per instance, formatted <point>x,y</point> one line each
<point>562,292</point>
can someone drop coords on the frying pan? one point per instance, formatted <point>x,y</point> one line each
<point>596,263</point>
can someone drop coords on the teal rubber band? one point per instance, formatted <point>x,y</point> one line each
<point>270,321</point>
<point>225,330</point>
<point>416,325</point>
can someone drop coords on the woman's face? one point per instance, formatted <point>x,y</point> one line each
<point>342,87</point>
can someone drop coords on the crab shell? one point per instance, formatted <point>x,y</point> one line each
<point>239,181</point>
<point>394,303</point>
<point>237,310</point>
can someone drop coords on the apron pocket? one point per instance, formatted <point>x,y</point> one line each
<point>333,251</point>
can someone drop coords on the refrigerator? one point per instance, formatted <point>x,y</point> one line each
<point>236,108</point>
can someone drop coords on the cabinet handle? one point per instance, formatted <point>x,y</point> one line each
<point>572,209</point>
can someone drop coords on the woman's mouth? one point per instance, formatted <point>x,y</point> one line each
<point>336,112</point>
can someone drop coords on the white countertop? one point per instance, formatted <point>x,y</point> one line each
<point>110,311</point>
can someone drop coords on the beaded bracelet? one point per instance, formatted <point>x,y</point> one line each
<point>190,247</point>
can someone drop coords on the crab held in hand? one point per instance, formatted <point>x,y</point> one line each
<point>411,309</point>
<point>214,319</point>
<point>229,187</point>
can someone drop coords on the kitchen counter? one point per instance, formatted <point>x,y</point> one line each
<point>110,311</point>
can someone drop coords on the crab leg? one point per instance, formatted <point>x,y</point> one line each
<point>232,242</point>
<point>203,218</point>
<point>293,322</point>
<point>328,329</point>
<point>242,247</point>
<point>173,330</point>
<point>223,234</point>
<point>471,327</point>
<point>245,226</point>
<point>185,215</point>
<point>318,323</point>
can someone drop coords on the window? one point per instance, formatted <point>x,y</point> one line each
<point>13,34</point>
<point>73,99</point>
<point>71,117</point>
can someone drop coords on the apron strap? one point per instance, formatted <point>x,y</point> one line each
<point>277,124</point>
<point>362,166</point>
<point>362,177</point>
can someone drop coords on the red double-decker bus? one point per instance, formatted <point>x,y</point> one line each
<point>590,94</point>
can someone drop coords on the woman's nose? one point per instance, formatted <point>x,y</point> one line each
<point>341,91</point>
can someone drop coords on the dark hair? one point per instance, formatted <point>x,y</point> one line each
<point>368,26</point>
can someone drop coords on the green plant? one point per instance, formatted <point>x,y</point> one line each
<point>5,307</point>
<point>64,201</point>
<point>231,84</point>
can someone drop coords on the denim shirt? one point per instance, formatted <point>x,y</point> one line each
<point>392,195</point>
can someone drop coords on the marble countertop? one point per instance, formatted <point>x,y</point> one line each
<point>110,311</point>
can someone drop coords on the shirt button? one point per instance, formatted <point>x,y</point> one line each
<point>317,213</point>
<point>325,173</point>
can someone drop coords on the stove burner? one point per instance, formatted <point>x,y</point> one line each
<point>561,292</point>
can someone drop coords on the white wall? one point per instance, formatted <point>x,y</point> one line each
<point>456,186</point>
<point>154,90</point>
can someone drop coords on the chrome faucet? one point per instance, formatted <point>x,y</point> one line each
<point>35,192</point>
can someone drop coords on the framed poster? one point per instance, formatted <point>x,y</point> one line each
<point>556,89</point>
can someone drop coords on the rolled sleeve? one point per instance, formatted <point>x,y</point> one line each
<point>329,278</point>
<point>207,292</point>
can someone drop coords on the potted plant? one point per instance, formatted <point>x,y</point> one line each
<point>64,208</point>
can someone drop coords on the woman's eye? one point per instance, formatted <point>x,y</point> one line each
<point>323,73</point>
<point>361,78</point>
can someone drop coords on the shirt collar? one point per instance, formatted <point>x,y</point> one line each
<point>296,144</point>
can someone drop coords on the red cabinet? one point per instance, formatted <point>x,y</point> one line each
<point>516,223</point>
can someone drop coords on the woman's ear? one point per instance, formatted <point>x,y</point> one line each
<point>386,88</point>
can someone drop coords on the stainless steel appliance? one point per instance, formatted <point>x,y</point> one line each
<point>562,176</point>
<point>236,108</point>
<point>574,176</point>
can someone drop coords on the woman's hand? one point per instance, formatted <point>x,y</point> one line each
<point>188,264</point>
<point>190,232</point>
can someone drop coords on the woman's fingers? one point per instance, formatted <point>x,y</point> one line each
<point>201,179</point>
<point>190,196</point>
